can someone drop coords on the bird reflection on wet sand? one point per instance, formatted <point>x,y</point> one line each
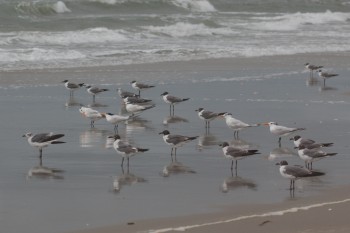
<point>92,136</point>
<point>176,167</point>
<point>206,140</point>
<point>126,178</point>
<point>72,102</point>
<point>42,172</point>
<point>281,153</point>
<point>174,119</point>
<point>236,182</point>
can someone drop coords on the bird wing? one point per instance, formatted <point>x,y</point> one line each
<point>45,137</point>
<point>208,114</point>
<point>173,99</point>
<point>176,139</point>
<point>296,171</point>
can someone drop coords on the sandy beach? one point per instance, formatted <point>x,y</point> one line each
<point>83,198</point>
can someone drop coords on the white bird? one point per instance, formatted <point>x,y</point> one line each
<point>312,68</point>
<point>72,86</point>
<point>175,141</point>
<point>136,108</point>
<point>309,155</point>
<point>298,141</point>
<point>125,150</point>
<point>325,76</point>
<point>236,124</point>
<point>42,140</point>
<point>140,86</point>
<point>295,172</point>
<point>91,114</point>
<point>281,131</point>
<point>95,91</point>
<point>135,100</point>
<point>172,100</point>
<point>115,119</point>
<point>235,154</point>
<point>207,116</point>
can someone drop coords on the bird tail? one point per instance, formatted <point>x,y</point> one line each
<point>152,106</point>
<point>105,89</point>
<point>327,144</point>
<point>315,173</point>
<point>300,129</point>
<point>192,138</point>
<point>81,84</point>
<point>142,150</point>
<point>57,142</point>
<point>56,136</point>
<point>331,154</point>
<point>253,152</point>
<point>185,99</point>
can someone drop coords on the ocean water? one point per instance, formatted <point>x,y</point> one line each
<point>73,33</point>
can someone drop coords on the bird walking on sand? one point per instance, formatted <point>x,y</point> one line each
<point>298,141</point>
<point>207,116</point>
<point>312,68</point>
<point>72,86</point>
<point>236,124</point>
<point>140,86</point>
<point>281,131</point>
<point>294,172</point>
<point>91,114</point>
<point>309,155</point>
<point>235,154</point>
<point>325,76</point>
<point>172,100</point>
<point>125,150</point>
<point>42,140</point>
<point>175,141</point>
<point>95,91</point>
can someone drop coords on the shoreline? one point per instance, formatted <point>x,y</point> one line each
<point>308,214</point>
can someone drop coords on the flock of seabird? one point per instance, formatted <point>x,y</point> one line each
<point>308,150</point>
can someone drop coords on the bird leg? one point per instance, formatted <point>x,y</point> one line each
<point>122,163</point>
<point>128,163</point>
<point>41,153</point>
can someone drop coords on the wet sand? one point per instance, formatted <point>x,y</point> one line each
<point>255,90</point>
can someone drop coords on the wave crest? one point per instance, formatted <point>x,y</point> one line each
<point>41,8</point>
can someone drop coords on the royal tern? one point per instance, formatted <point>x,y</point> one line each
<point>115,119</point>
<point>91,114</point>
<point>281,131</point>
<point>236,124</point>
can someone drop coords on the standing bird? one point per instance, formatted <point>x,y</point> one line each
<point>175,141</point>
<point>235,153</point>
<point>207,116</point>
<point>309,155</point>
<point>281,131</point>
<point>95,91</point>
<point>135,100</point>
<point>172,100</point>
<point>236,124</point>
<point>42,140</point>
<point>140,86</point>
<point>124,94</point>
<point>125,150</point>
<point>72,86</point>
<point>295,172</point>
<point>325,76</point>
<point>136,108</point>
<point>115,119</point>
<point>312,68</point>
<point>298,141</point>
<point>91,114</point>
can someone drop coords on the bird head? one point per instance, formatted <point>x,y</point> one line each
<point>165,132</point>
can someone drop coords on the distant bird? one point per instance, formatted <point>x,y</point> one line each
<point>124,94</point>
<point>172,100</point>
<point>236,124</point>
<point>95,91</point>
<point>42,140</point>
<point>298,141</point>
<point>72,86</point>
<point>312,68</point>
<point>175,141</point>
<point>207,116</point>
<point>125,150</point>
<point>325,76</point>
<point>115,119</point>
<point>140,86</point>
<point>309,155</point>
<point>135,100</point>
<point>295,172</point>
<point>235,154</point>
<point>91,114</point>
<point>136,108</point>
<point>281,131</point>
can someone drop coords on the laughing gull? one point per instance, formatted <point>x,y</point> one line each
<point>235,153</point>
<point>207,116</point>
<point>125,150</point>
<point>42,140</point>
<point>115,119</point>
<point>310,155</point>
<point>298,141</point>
<point>91,114</point>
<point>135,100</point>
<point>175,141</point>
<point>95,91</point>
<point>136,108</point>
<point>172,100</point>
<point>281,131</point>
<point>325,76</point>
<point>312,68</point>
<point>124,94</point>
<point>72,86</point>
<point>295,172</point>
<point>140,86</point>
<point>236,124</point>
